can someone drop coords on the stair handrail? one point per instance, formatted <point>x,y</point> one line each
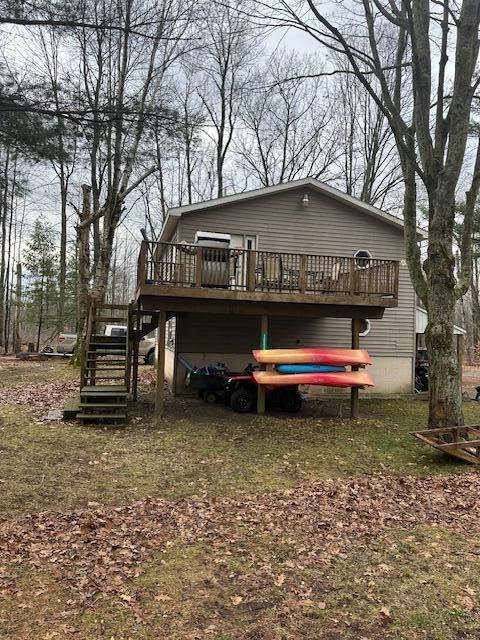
<point>86,341</point>
<point>129,351</point>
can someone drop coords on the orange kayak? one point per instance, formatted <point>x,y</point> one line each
<point>333,379</point>
<point>306,355</point>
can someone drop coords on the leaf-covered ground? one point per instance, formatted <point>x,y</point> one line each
<point>212,525</point>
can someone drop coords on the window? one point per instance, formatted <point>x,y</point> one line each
<point>364,327</point>
<point>362,258</point>
<point>118,332</point>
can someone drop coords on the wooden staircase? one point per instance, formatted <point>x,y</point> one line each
<point>105,371</point>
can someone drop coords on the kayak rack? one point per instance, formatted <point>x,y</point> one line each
<point>459,442</point>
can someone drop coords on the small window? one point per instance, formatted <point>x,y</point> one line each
<point>364,327</point>
<point>362,258</point>
<point>118,332</point>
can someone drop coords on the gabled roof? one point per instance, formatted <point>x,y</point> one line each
<point>312,183</point>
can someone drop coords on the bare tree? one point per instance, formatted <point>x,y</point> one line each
<point>436,53</point>
<point>368,164</point>
<point>230,44</point>
<point>287,122</point>
<point>63,160</point>
<point>126,72</point>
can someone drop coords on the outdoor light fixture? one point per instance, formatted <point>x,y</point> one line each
<point>305,200</point>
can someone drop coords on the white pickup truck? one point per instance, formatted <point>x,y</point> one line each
<point>68,341</point>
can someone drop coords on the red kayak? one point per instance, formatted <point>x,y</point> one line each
<point>341,357</point>
<point>333,379</point>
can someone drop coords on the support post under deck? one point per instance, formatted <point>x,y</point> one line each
<point>263,345</point>
<point>160,388</point>
<point>354,398</point>
<point>136,342</point>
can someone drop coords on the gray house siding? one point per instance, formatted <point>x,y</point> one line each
<point>327,227</point>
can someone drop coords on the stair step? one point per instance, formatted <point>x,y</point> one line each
<point>112,361</point>
<point>107,352</point>
<point>101,396</point>
<point>112,346</point>
<point>105,368</point>
<point>105,378</point>
<point>102,405</point>
<point>101,416</point>
<point>105,388</point>
<point>112,320</point>
<point>102,338</point>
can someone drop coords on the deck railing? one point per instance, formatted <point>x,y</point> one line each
<point>186,265</point>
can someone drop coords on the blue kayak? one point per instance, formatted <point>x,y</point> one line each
<point>307,368</point>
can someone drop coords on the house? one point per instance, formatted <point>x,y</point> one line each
<point>299,263</point>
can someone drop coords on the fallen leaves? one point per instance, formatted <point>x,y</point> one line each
<point>467,603</point>
<point>385,615</point>
<point>100,550</point>
<point>40,396</point>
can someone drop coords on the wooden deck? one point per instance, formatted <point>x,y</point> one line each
<point>177,272</point>
<point>185,278</point>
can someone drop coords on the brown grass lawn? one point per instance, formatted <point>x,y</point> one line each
<point>212,525</point>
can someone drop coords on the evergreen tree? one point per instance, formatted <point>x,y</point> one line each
<point>41,261</point>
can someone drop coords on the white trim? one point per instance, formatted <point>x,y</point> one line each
<point>168,227</point>
<point>367,330</point>
<point>321,187</point>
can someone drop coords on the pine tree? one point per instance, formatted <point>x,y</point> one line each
<point>41,261</point>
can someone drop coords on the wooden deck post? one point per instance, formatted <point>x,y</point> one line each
<point>129,354</point>
<point>160,391</point>
<point>136,340</point>
<point>263,345</point>
<point>251,270</point>
<point>354,398</point>
<point>199,267</point>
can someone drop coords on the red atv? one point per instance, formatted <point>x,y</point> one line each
<point>241,392</point>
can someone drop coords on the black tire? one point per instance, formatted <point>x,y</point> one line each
<point>242,401</point>
<point>150,357</point>
<point>210,397</point>
<point>291,401</point>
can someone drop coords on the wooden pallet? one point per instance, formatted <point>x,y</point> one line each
<point>459,442</point>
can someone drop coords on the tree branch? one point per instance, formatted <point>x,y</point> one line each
<point>465,275</point>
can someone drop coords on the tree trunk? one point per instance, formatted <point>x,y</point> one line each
<point>83,258</point>
<point>3,233</point>
<point>475,306</point>
<point>63,251</point>
<point>17,337</point>
<point>40,316</point>
<point>445,392</point>
<point>444,374</point>
<point>102,268</point>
